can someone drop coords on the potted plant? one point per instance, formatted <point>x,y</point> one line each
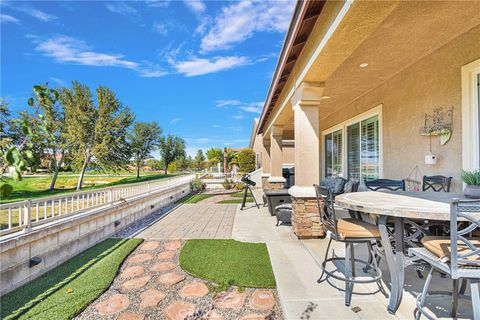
<point>472,181</point>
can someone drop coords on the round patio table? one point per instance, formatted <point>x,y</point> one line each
<point>399,205</point>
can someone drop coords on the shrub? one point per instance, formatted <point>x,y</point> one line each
<point>229,184</point>
<point>197,185</point>
<point>239,186</point>
<point>246,160</point>
<point>471,177</point>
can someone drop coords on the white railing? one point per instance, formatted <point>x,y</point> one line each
<point>219,177</point>
<point>25,214</point>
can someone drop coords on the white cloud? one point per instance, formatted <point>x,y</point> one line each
<point>5,18</point>
<point>58,81</point>
<point>240,20</point>
<point>40,15</point>
<point>196,6</point>
<point>152,73</point>
<point>121,8</point>
<point>223,103</point>
<point>174,120</point>
<point>216,126</point>
<point>238,116</point>
<point>157,3</point>
<point>160,28</point>
<point>199,66</point>
<point>67,49</point>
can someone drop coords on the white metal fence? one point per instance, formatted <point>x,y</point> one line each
<point>219,177</point>
<point>20,215</point>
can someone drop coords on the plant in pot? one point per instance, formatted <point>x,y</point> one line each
<point>472,181</point>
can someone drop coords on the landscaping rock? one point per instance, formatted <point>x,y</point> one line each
<point>163,266</point>
<point>131,272</point>
<point>170,278</point>
<point>173,245</point>
<point>139,258</point>
<point>212,315</point>
<point>149,246</point>
<point>179,310</point>
<point>262,300</point>
<point>194,290</point>
<point>136,283</point>
<point>114,304</point>
<point>166,255</point>
<point>231,299</point>
<point>253,316</point>
<point>131,316</point>
<point>151,298</point>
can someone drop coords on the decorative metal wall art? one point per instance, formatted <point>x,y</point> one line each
<point>439,123</point>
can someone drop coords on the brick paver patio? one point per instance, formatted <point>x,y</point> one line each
<point>194,221</point>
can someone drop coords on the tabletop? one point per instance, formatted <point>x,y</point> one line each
<point>405,204</point>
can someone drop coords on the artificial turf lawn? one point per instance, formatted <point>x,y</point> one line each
<point>66,290</point>
<point>194,198</point>
<point>228,262</point>
<point>235,200</point>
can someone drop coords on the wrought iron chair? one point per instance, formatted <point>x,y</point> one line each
<point>457,256</point>
<point>385,184</point>
<point>436,183</point>
<point>350,231</point>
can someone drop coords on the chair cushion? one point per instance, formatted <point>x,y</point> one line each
<point>440,246</point>
<point>354,228</point>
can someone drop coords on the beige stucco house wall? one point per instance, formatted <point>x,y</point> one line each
<point>432,82</point>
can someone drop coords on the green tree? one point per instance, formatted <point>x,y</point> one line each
<point>214,156</point>
<point>96,132</point>
<point>183,163</point>
<point>154,164</point>
<point>54,138</point>
<point>229,159</point>
<point>171,149</point>
<point>144,139</point>
<point>199,161</point>
<point>246,160</point>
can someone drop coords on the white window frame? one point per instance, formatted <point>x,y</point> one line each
<point>375,111</point>
<point>470,125</point>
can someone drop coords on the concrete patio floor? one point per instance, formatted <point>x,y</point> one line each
<point>296,264</point>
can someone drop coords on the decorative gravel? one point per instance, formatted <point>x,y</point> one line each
<point>139,225</point>
<point>113,305</point>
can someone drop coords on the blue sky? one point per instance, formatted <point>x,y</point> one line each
<point>200,68</point>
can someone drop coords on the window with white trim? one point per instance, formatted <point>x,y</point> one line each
<point>352,149</point>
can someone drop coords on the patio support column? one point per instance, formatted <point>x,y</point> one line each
<point>276,180</point>
<point>265,164</point>
<point>305,104</point>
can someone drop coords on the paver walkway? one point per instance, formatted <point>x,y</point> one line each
<point>151,285</point>
<point>194,221</point>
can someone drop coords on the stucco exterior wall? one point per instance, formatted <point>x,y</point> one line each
<point>288,154</point>
<point>432,82</point>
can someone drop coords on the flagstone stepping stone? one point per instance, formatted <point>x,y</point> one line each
<point>139,258</point>
<point>131,316</point>
<point>135,283</point>
<point>212,315</point>
<point>173,245</point>
<point>194,290</point>
<point>166,255</point>
<point>231,300</point>
<point>149,246</point>
<point>262,300</point>
<point>179,310</point>
<point>253,316</point>
<point>163,266</point>
<point>151,298</point>
<point>170,278</point>
<point>116,303</point>
<point>131,272</point>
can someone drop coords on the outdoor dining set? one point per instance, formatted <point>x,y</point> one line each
<point>432,229</point>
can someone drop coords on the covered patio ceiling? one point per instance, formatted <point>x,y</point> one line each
<point>388,37</point>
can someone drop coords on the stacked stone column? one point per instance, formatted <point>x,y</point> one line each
<point>305,217</point>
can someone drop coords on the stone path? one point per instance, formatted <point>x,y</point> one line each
<point>151,285</point>
<point>194,221</point>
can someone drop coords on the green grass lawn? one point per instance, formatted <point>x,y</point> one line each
<point>228,262</point>
<point>194,198</point>
<point>36,187</point>
<point>66,290</point>
<point>235,200</point>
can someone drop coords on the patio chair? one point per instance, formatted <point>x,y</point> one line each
<point>385,184</point>
<point>457,256</point>
<point>436,183</point>
<point>335,184</point>
<point>351,232</point>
